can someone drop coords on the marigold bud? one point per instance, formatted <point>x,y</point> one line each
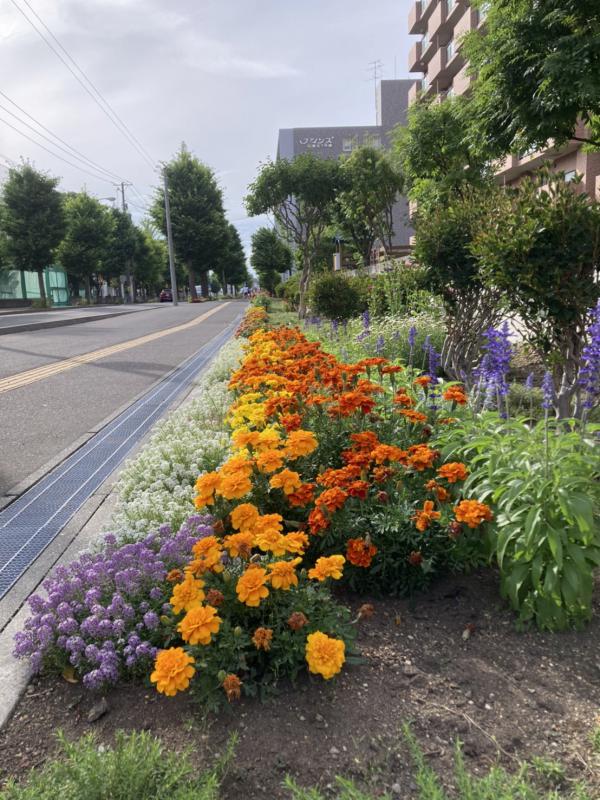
<point>218,527</point>
<point>214,597</point>
<point>454,529</point>
<point>297,620</point>
<point>237,631</point>
<point>383,497</point>
<point>226,575</point>
<point>366,610</point>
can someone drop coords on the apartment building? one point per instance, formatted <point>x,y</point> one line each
<point>335,142</point>
<point>440,26</point>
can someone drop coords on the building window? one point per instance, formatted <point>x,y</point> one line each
<point>450,5</point>
<point>450,92</point>
<point>570,176</point>
<point>450,50</point>
<point>483,11</point>
<point>372,140</point>
<point>348,144</point>
<point>424,42</point>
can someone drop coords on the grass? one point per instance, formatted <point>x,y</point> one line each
<point>138,767</point>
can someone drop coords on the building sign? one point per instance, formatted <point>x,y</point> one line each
<point>316,142</point>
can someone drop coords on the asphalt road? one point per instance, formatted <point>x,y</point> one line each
<point>40,419</point>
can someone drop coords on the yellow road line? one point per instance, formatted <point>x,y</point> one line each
<point>39,373</point>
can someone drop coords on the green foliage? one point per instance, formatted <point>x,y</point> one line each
<point>540,245</point>
<point>32,220</point>
<point>595,738</point>
<point>291,291</point>
<point>402,289</point>
<point>229,264</point>
<point>333,296</point>
<point>137,767</point>
<point>545,490</point>
<point>537,72</point>
<point>199,226</point>
<point>369,188</point>
<point>344,790</point>
<point>262,301</point>
<point>87,240</point>
<point>434,154</point>
<point>300,195</point>
<point>270,257</point>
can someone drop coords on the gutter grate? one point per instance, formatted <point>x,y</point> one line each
<point>34,520</point>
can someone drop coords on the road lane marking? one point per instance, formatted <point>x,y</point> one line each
<point>40,373</point>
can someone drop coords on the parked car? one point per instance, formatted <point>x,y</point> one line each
<point>166,296</point>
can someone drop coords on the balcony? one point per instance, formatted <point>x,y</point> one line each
<point>444,17</point>
<point>419,15</point>
<point>462,81</point>
<point>419,89</point>
<point>467,22</point>
<point>438,18</point>
<point>415,60</point>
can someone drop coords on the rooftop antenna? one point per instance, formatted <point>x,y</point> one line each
<point>376,70</point>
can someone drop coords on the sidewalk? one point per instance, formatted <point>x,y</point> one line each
<point>83,531</point>
<point>19,321</point>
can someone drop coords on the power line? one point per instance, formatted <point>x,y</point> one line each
<point>67,149</point>
<point>56,155</point>
<point>83,80</point>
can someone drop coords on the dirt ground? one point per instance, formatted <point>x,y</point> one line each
<point>506,695</point>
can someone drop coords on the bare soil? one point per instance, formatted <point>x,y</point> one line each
<point>507,695</point>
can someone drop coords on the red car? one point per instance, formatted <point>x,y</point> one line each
<point>166,296</point>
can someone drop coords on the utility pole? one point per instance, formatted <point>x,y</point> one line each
<point>122,186</point>
<point>170,238</point>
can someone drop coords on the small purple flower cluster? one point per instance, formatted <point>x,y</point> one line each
<point>548,392</point>
<point>379,345</point>
<point>366,320</point>
<point>102,612</point>
<point>589,374</point>
<point>492,372</point>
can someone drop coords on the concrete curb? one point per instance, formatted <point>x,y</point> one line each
<point>61,323</point>
<point>83,531</point>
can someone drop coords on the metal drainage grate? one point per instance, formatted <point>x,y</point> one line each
<point>32,522</point>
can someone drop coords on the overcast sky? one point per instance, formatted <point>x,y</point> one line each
<point>221,75</point>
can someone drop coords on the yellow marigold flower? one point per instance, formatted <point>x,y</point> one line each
<point>208,554</point>
<point>244,437</point>
<point>327,567</point>
<point>283,574</point>
<point>269,460</point>
<point>250,587</point>
<point>295,542</point>
<point>269,540</point>
<point>235,486</point>
<point>324,655</point>
<point>300,443</point>
<point>239,545</point>
<point>173,671</point>
<point>269,439</point>
<point>236,465</point>
<point>244,516</point>
<point>262,638</point>
<point>232,686</point>
<point>199,624</point>
<point>187,595</point>
<point>287,480</point>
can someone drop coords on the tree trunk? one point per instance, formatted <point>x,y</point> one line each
<point>88,289</point>
<point>304,281</point>
<point>204,284</point>
<point>42,285</point>
<point>192,282</point>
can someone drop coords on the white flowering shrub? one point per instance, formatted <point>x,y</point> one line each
<point>157,486</point>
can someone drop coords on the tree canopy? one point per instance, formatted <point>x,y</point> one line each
<point>31,213</point>
<point>270,257</point>
<point>537,72</point>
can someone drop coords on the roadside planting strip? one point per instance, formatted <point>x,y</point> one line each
<point>30,523</point>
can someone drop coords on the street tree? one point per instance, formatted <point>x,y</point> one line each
<point>122,248</point>
<point>537,73</point>
<point>150,262</point>
<point>86,246</point>
<point>540,245</point>
<point>32,218</point>
<point>270,257</point>
<point>369,187</point>
<point>434,154</point>
<point>300,196</point>
<point>230,266</point>
<point>198,221</point>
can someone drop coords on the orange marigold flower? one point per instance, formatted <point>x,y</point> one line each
<point>447,420</point>
<point>199,624</point>
<point>392,370</point>
<point>421,457</point>
<point>332,499</point>
<point>175,575</point>
<point>359,489</point>
<point>244,516</point>
<point>423,380</point>
<point>324,655</point>
<point>262,638</point>
<point>387,452</point>
<point>442,494</point>
<point>297,620</point>
<point>239,545</point>
<point>295,542</point>
<point>425,516</point>
<point>214,597</point>
<point>413,416</point>
<point>173,671</point>
<point>455,394</point>
<point>453,472</point>
<point>415,558</point>
<point>283,574</point>
<point>382,474</point>
<point>291,422</point>
<point>302,496</point>
<point>234,486</point>
<point>232,686</point>
<point>472,513</point>
<point>375,361</point>
<point>187,595</point>
<point>300,443</point>
<point>245,438</point>
<point>208,483</point>
<point>250,587</point>
<point>403,399</point>
<point>327,567</point>
<point>364,441</point>
<point>360,552</point>
<point>269,460</point>
<point>287,480</point>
